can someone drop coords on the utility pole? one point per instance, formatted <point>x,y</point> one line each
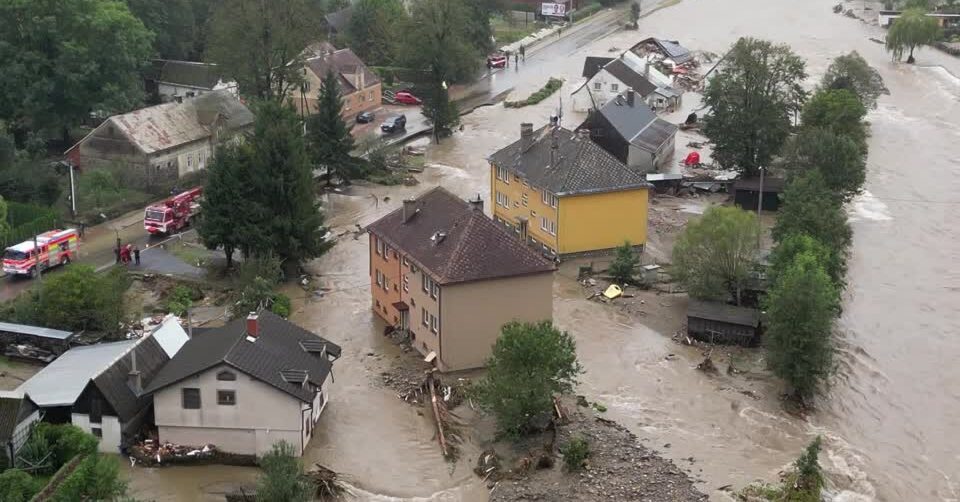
<point>760,208</point>
<point>73,192</point>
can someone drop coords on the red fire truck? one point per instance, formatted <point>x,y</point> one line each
<point>174,213</point>
<point>56,247</point>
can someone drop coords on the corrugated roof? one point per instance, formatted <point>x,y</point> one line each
<point>593,64</point>
<point>770,184</point>
<point>345,64</point>
<point>23,329</point>
<point>474,247</point>
<point>187,73</point>
<point>716,311</point>
<point>275,350</point>
<point>161,127</point>
<point>669,48</point>
<point>576,166</point>
<point>61,382</point>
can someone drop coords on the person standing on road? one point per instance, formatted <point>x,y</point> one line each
<point>516,59</point>
<point>136,254</point>
<point>523,53</point>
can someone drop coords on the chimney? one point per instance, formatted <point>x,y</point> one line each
<point>133,378</point>
<point>630,96</point>
<point>646,70</point>
<point>409,209</point>
<point>583,133</point>
<point>253,326</point>
<point>526,130</point>
<point>554,120</point>
<point>477,204</point>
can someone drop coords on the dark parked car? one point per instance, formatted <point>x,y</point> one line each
<point>365,117</point>
<point>394,123</point>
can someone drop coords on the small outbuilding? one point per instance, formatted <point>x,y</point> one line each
<point>717,322</point>
<point>21,340</point>
<point>746,193</point>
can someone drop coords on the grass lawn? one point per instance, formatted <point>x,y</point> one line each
<point>508,31</point>
<point>189,253</point>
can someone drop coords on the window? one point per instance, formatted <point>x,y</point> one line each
<point>226,376</point>
<point>189,160</point>
<point>386,282</point>
<point>97,431</point>
<point>502,175</point>
<point>597,86</point>
<point>200,157</point>
<point>386,252</point>
<point>191,398</point>
<point>406,282</point>
<point>379,246</point>
<point>549,199</point>
<point>404,261</point>
<point>227,397</point>
<point>548,226</point>
<point>614,87</point>
<point>425,317</point>
<point>503,200</point>
<point>435,291</point>
<point>434,323</point>
<point>427,284</point>
<point>380,278</point>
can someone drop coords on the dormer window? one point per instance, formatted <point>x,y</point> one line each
<point>226,376</point>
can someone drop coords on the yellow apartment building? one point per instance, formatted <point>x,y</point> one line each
<point>559,191</point>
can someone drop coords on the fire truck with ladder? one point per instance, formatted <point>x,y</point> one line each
<point>49,249</point>
<point>173,214</point>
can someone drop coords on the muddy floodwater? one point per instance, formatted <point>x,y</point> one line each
<point>891,417</point>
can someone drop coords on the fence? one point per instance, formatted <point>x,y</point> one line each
<point>27,220</point>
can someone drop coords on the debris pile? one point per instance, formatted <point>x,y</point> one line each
<point>29,352</point>
<point>151,453</point>
<point>328,485</point>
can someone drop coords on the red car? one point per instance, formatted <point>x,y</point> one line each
<point>498,60</point>
<point>406,98</point>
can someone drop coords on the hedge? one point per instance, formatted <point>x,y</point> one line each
<point>552,86</point>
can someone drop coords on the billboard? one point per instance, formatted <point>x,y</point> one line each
<point>553,9</point>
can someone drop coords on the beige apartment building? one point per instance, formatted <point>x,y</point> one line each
<point>451,278</point>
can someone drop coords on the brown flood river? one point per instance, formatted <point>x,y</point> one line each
<point>891,417</point>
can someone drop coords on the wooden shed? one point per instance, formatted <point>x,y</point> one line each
<point>33,342</point>
<point>717,322</point>
<point>746,193</point>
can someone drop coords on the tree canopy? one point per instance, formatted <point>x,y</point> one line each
<point>751,99</point>
<point>63,59</point>
<point>911,30</point>
<point>260,44</point>
<point>716,253</point>
<point>530,363</point>
<point>810,208</point>
<point>374,30</point>
<point>328,135</point>
<point>224,222</point>
<point>173,24</point>
<point>437,40</point>
<point>839,111</point>
<point>624,263</point>
<point>853,73</point>
<point>800,311</point>
<point>794,245</point>
<point>839,159</point>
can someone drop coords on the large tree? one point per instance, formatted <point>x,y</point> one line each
<point>286,212</point>
<point>328,135</point>
<point>853,73</point>
<point>437,41</point>
<point>529,365</point>
<point>751,100</point>
<point>796,244</point>
<point>716,253</point>
<point>838,158</point>
<point>63,59</point>
<point>839,111</point>
<point>172,23</point>
<point>801,307</point>
<point>911,30</point>
<point>374,30</point>
<point>260,44</point>
<point>223,220</point>
<point>809,207</point>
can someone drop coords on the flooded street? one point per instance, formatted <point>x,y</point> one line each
<point>890,419</point>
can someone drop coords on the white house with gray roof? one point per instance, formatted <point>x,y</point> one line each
<point>245,386</point>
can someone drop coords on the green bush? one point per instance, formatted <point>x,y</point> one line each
<point>552,86</point>
<point>180,300</point>
<point>575,453</point>
<point>18,486</point>
<point>96,478</point>
<point>67,441</point>
<point>281,305</point>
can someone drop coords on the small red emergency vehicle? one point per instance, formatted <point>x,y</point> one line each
<point>56,247</point>
<point>174,213</point>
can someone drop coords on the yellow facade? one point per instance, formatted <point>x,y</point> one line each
<point>571,223</point>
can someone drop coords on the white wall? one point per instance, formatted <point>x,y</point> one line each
<point>609,85</point>
<point>187,158</point>
<point>110,429</point>
<point>170,91</point>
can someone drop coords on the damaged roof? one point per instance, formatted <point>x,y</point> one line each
<point>276,350</point>
<point>576,166</point>
<point>637,124</point>
<point>669,48</point>
<point>472,247</point>
<point>161,127</point>
<point>346,65</point>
